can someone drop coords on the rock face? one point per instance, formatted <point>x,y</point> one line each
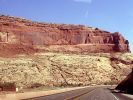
<point>127,84</point>
<point>25,32</point>
<point>101,64</point>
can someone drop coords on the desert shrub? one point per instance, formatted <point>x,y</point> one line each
<point>71,85</point>
<point>36,85</point>
<point>34,65</point>
<point>8,86</point>
<point>110,83</point>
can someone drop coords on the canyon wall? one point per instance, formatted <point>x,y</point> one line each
<point>77,55</point>
<point>25,32</point>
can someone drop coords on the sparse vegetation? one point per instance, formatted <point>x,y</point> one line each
<point>36,85</point>
<point>61,70</point>
<point>8,86</point>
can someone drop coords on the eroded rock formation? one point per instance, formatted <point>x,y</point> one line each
<point>127,84</point>
<point>25,32</point>
<point>21,36</point>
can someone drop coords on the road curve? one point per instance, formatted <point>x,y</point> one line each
<point>90,93</point>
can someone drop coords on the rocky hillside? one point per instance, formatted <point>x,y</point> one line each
<point>78,38</point>
<point>35,54</point>
<point>58,69</point>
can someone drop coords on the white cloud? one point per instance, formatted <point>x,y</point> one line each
<point>84,1</point>
<point>86,14</point>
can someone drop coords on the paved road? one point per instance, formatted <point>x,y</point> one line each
<point>91,93</point>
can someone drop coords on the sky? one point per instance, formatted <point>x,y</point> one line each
<point>109,15</point>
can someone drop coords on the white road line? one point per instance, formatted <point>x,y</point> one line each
<point>114,96</point>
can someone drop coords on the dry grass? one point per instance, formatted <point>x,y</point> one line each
<point>58,69</point>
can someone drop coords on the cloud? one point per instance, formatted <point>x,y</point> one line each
<point>83,1</point>
<point>86,14</point>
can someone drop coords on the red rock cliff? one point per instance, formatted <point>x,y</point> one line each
<point>25,32</point>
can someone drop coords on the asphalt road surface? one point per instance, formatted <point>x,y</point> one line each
<point>90,93</point>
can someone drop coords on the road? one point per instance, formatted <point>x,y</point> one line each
<point>90,93</point>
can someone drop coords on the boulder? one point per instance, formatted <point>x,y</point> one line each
<point>127,84</point>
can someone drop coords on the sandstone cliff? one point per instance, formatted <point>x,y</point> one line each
<point>60,54</point>
<point>78,37</point>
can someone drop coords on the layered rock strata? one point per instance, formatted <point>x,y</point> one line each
<point>25,32</point>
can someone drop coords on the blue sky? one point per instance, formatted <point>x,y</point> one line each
<point>110,15</point>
